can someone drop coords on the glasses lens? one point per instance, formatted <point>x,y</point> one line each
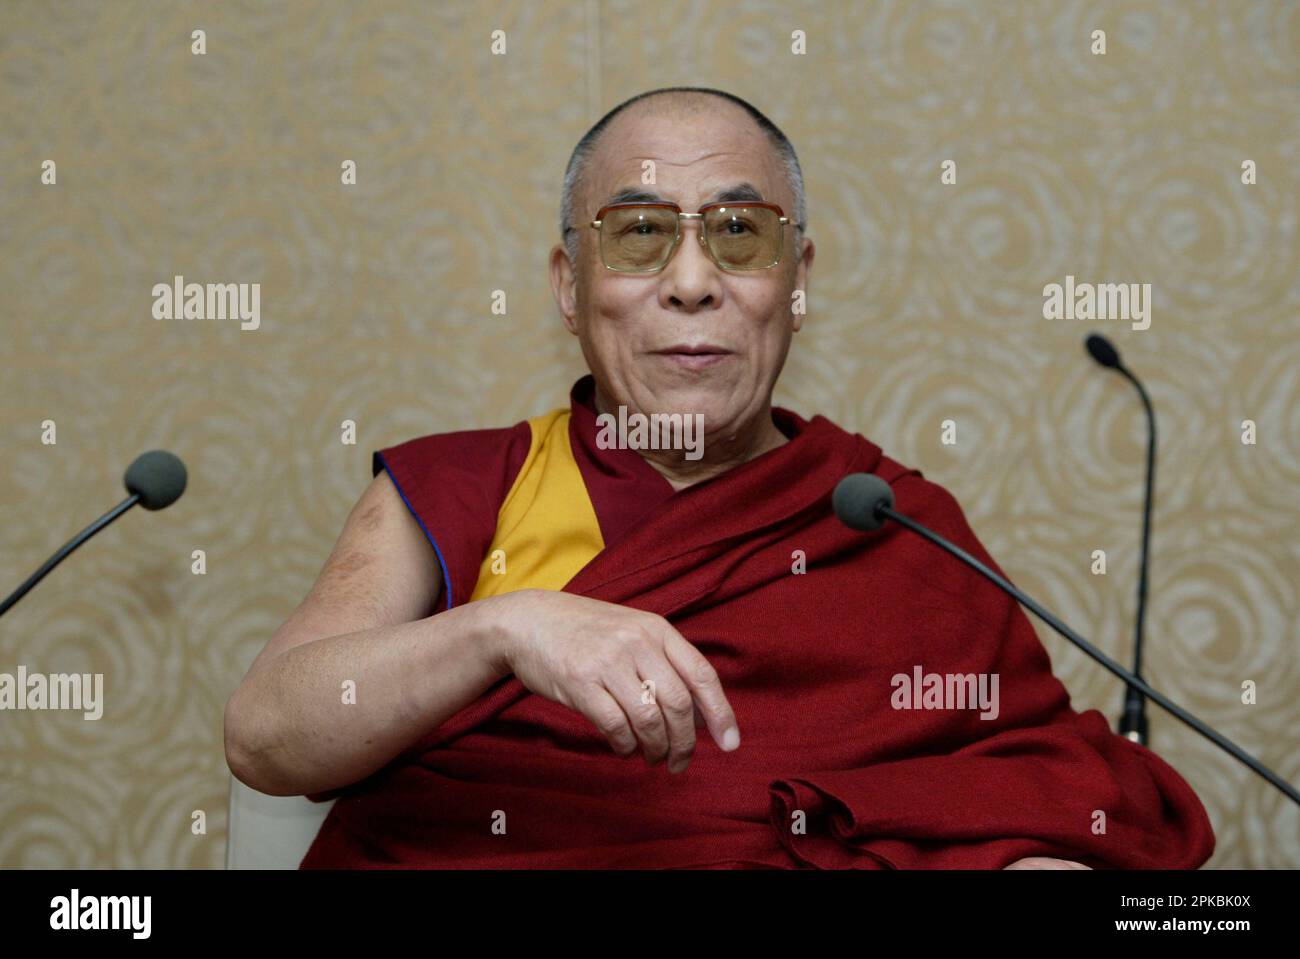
<point>637,239</point>
<point>744,237</point>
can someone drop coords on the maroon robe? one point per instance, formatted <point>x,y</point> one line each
<point>829,773</point>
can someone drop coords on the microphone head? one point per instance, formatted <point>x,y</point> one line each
<point>1102,350</point>
<point>157,477</point>
<point>856,499</point>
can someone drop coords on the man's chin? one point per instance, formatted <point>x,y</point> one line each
<point>710,402</point>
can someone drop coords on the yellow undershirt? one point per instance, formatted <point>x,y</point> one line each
<point>546,528</point>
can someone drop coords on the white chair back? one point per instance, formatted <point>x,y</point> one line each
<point>270,832</point>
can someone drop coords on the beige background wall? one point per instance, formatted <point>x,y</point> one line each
<point>925,305</point>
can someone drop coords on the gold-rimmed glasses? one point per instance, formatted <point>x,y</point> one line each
<point>738,235</point>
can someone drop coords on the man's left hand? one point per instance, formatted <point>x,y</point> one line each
<point>1045,862</point>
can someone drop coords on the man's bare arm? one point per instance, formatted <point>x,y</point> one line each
<point>367,620</point>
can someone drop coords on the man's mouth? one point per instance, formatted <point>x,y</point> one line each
<point>696,356</point>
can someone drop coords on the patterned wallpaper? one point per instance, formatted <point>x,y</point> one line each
<point>926,305</point>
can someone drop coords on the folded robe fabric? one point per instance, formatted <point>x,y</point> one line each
<point>810,626</point>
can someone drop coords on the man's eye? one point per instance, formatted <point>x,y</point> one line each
<point>737,227</point>
<point>643,229</point>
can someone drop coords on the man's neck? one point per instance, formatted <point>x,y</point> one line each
<point>720,454</point>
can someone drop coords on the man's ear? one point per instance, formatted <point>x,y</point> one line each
<point>801,270</point>
<point>563,287</point>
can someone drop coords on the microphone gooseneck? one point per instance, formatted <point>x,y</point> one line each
<point>155,480</point>
<point>863,499</point>
<point>1133,720</point>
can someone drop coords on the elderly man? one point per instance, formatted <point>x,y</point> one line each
<point>511,615</point>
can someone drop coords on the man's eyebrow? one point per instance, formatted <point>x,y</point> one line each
<point>736,192</point>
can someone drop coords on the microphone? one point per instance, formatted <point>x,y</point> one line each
<point>155,480</point>
<point>1133,721</point>
<point>863,501</point>
<point>1102,350</point>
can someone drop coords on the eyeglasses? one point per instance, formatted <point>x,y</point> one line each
<point>641,237</point>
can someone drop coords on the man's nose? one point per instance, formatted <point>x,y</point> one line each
<point>691,276</point>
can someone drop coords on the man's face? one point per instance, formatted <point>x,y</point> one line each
<point>632,327</point>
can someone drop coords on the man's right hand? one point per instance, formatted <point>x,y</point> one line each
<point>628,671</point>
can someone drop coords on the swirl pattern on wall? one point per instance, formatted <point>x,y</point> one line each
<point>925,305</point>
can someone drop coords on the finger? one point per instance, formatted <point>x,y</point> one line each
<point>607,716</point>
<point>646,718</point>
<point>705,688</point>
<point>1046,862</point>
<point>660,682</point>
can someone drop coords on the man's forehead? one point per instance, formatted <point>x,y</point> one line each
<point>703,157</point>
